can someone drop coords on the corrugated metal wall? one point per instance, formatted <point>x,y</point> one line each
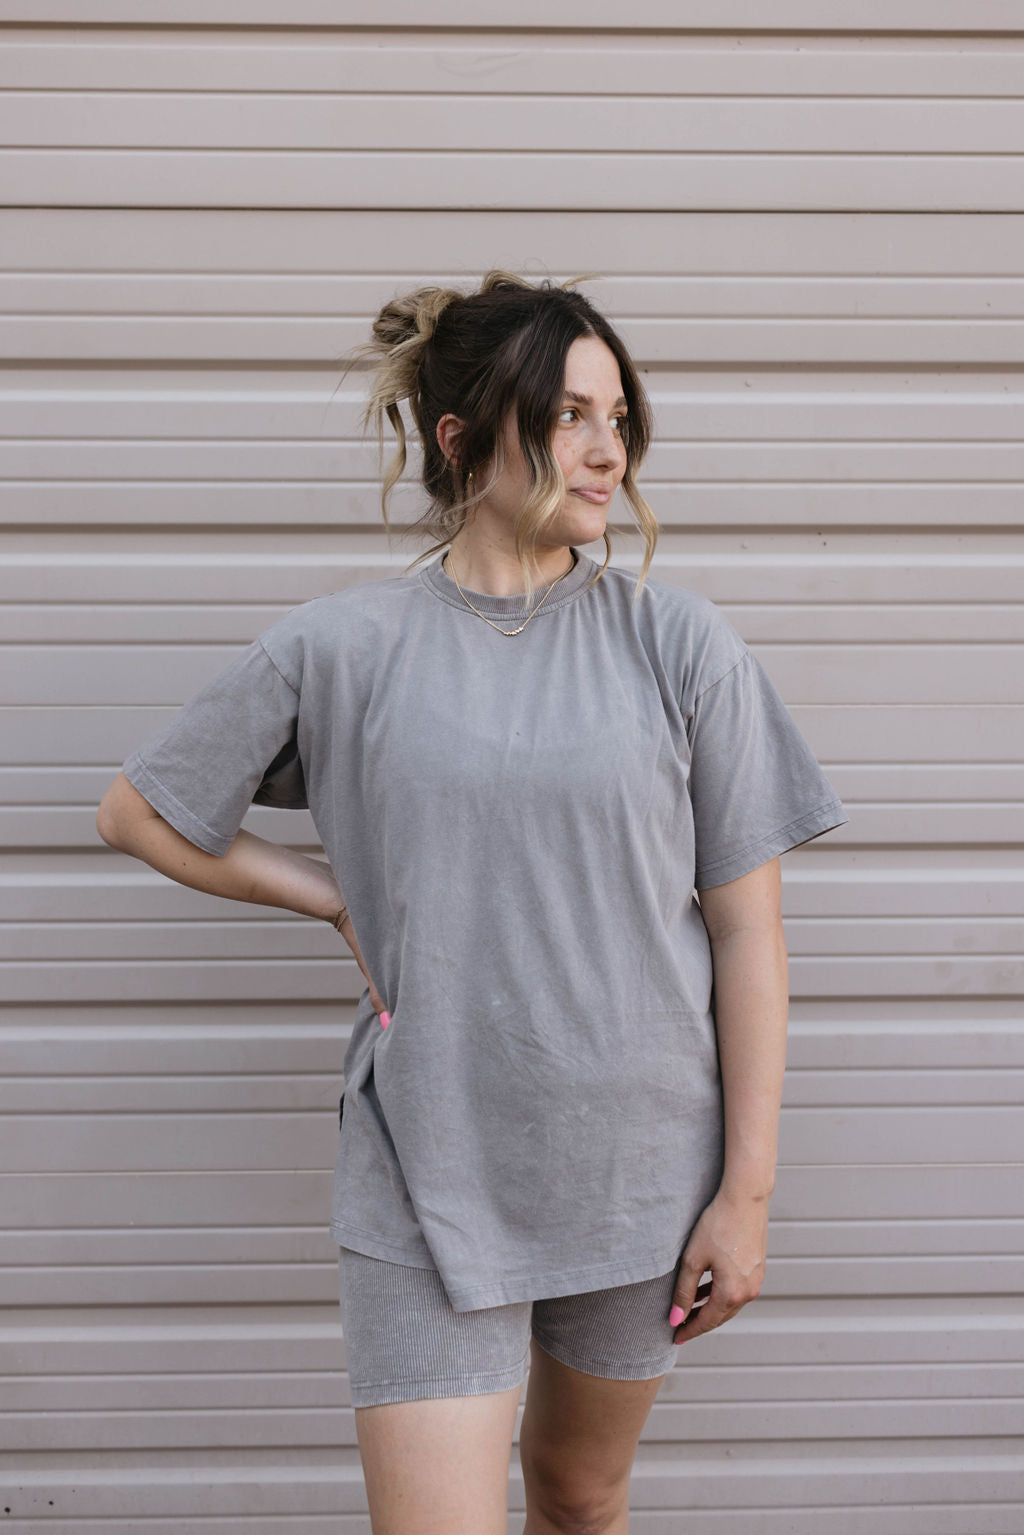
<point>812,218</point>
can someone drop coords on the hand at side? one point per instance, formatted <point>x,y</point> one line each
<point>730,1240</point>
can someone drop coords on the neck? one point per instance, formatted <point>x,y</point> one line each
<point>495,571</point>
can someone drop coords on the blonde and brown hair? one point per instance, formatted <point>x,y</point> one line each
<point>481,356</point>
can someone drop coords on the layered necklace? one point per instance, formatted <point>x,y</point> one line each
<point>508,633</point>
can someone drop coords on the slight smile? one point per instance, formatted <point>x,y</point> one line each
<point>599,497</point>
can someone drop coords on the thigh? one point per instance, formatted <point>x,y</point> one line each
<point>436,1393</point>
<point>599,1359</point>
<point>578,1437</point>
<point>438,1466</point>
<point>621,1333</point>
<point>405,1342</point>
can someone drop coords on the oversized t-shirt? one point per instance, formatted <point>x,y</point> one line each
<point>518,827</point>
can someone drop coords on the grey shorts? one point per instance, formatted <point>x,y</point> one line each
<point>404,1340</point>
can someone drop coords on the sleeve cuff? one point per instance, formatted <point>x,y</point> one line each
<point>804,829</point>
<point>178,815</point>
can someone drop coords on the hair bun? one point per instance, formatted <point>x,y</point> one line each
<point>413,317</point>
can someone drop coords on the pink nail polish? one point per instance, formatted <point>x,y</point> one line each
<point>675,1316</point>
<point>385,1019</point>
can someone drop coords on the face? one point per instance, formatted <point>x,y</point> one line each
<point>587,442</point>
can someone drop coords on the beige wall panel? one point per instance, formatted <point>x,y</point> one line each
<point>281,124</point>
<point>176,1200</point>
<point>386,63</point>
<point>785,1492</point>
<point>229,982</point>
<point>906,1190</point>
<point>674,251</point>
<point>325,1423</point>
<point>168,178</point>
<point>218,284</point>
<point>825,16</point>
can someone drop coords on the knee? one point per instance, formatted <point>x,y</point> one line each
<point>590,1511</point>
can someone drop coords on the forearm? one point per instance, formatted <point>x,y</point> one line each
<point>751,988</point>
<point>252,869</point>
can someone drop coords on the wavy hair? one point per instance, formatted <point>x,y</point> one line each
<point>484,356</point>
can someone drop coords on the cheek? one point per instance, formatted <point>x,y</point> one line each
<point>569,459</point>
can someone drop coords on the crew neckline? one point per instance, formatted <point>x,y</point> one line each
<point>567,589</point>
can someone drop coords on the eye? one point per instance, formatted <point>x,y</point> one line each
<point>620,416</point>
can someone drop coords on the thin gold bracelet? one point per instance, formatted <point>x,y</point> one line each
<point>339,919</point>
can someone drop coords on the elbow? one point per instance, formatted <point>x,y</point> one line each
<point>119,813</point>
<point>109,827</point>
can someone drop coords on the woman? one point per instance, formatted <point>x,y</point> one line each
<point>521,765</point>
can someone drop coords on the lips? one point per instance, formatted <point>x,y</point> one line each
<point>593,493</point>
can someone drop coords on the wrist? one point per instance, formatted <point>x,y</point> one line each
<point>321,897</point>
<point>755,1186</point>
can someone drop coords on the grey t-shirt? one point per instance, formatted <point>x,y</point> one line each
<point>518,827</point>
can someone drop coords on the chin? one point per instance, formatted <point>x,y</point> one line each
<point>590,533</point>
<point>585,528</point>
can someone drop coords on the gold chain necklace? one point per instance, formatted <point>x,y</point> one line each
<point>508,633</point>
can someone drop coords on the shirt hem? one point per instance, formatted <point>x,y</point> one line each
<point>520,1287</point>
<point>374,1246</point>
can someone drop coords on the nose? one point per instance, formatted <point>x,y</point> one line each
<point>607,448</point>
<point>608,453</point>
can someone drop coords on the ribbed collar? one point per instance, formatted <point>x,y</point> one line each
<point>511,608</point>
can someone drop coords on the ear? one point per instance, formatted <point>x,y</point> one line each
<point>449,430</point>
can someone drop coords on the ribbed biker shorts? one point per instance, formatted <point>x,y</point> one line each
<point>404,1340</point>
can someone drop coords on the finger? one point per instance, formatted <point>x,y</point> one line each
<point>700,1301</point>
<point>688,1292</point>
<point>701,1319</point>
<point>715,1311</point>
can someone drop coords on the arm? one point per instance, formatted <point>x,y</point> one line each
<point>751,983</point>
<point>252,869</point>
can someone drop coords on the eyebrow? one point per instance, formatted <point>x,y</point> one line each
<point>584,399</point>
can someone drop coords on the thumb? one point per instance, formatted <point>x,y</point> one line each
<point>378,1005</point>
<point>376,1000</point>
<point>685,1295</point>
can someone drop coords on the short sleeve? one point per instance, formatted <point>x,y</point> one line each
<point>232,744</point>
<point>756,787</point>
